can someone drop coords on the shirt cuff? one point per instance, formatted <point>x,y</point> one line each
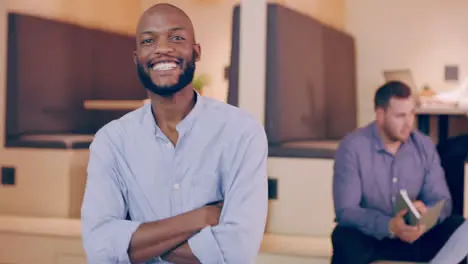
<point>205,247</point>
<point>125,230</point>
<point>383,228</point>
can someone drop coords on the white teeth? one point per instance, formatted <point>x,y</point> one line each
<point>164,66</point>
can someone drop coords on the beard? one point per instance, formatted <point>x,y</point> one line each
<point>185,78</point>
<point>393,135</point>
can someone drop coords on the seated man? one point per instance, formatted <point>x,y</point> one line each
<point>182,179</point>
<point>372,165</point>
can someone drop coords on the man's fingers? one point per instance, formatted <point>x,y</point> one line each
<point>408,228</point>
<point>423,209</point>
<point>402,213</point>
<point>412,233</point>
<point>420,206</point>
<point>409,237</point>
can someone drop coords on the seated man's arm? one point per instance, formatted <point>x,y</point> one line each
<point>107,236</point>
<point>435,187</point>
<point>347,194</point>
<point>237,237</point>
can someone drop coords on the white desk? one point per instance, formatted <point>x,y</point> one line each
<point>441,111</point>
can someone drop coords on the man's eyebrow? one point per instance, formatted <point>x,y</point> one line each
<point>169,30</point>
<point>177,29</point>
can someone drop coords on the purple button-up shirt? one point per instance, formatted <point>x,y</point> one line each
<point>367,179</point>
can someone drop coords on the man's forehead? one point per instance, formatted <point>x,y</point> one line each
<point>401,103</point>
<point>164,18</point>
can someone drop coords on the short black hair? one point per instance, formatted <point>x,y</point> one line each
<point>390,90</point>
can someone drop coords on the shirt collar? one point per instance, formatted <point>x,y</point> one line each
<point>378,143</point>
<point>185,125</point>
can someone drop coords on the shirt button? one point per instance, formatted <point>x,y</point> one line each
<point>169,144</point>
<point>176,186</point>
<point>395,179</point>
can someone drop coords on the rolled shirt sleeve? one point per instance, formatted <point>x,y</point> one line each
<point>105,232</point>
<point>237,237</point>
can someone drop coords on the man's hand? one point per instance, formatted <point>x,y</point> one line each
<point>421,207</point>
<point>403,231</point>
<point>209,214</point>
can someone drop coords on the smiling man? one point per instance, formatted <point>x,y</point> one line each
<point>372,165</point>
<point>182,179</point>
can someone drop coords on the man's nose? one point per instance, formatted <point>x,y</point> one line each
<point>163,46</point>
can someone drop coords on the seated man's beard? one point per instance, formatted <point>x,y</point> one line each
<point>185,78</point>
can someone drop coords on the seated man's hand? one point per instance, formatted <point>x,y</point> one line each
<point>421,207</point>
<point>403,231</point>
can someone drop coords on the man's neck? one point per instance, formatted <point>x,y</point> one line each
<point>169,111</point>
<point>390,145</point>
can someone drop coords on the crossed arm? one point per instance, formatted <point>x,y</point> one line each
<point>167,238</point>
<point>192,237</point>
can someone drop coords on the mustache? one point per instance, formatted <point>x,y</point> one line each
<point>178,60</point>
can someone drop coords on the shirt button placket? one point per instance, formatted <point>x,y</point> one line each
<point>395,184</point>
<point>177,188</point>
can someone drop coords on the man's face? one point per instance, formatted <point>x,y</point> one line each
<point>397,120</point>
<point>166,51</point>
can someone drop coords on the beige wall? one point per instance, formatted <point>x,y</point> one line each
<point>420,35</point>
<point>115,15</point>
<point>40,240</point>
<point>48,182</point>
<point>302,183</point>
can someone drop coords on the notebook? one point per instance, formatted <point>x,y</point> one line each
<point>413,217</point>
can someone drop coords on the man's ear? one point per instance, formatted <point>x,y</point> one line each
<point>135,58</point>
<point>197,50</point>
<point>379,114</point>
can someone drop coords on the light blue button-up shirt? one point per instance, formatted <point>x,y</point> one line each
<point>134,168</point>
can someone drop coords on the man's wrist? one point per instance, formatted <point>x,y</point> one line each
<point>198,219</point>
<point>391,234</point>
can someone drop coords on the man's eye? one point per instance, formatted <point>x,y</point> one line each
<point>147,41</point>
<point>177,38</point>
